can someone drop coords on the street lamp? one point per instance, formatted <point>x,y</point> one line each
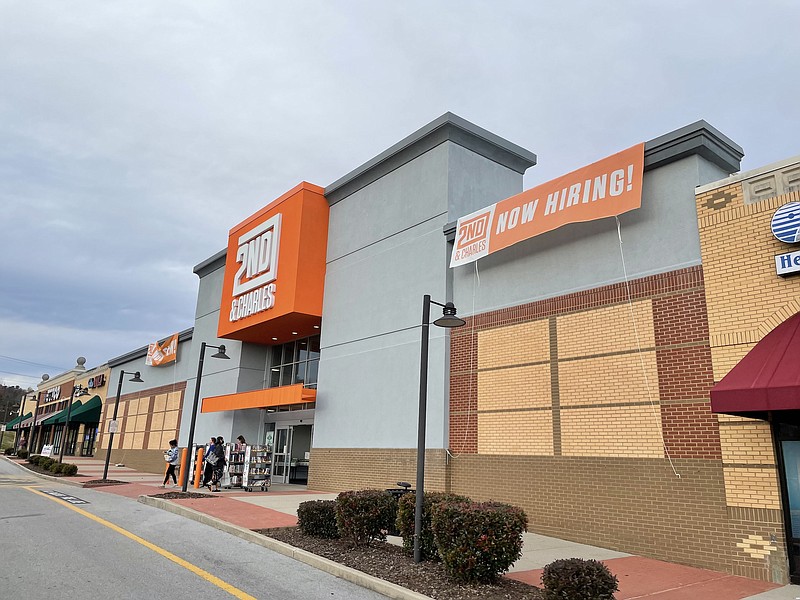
<point>448,319</point>
<point>113,424</point>
<point>189,449</point>
<point>34,431</point>
<point>81,391</point>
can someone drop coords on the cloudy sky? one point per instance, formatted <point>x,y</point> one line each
<point>133,135</point>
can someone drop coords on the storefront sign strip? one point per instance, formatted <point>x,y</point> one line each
<point>606,188</point>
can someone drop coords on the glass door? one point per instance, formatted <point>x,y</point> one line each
<point>281,455</point>
<point>787,436</point>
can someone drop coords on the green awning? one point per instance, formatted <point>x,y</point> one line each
<point>13,423</point>
<point>61,417</point>
<point>88,413</point>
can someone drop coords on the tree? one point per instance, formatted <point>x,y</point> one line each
<point>10,400</point>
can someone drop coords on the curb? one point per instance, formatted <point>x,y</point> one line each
<point>369,582</point>
<point>63,480</point>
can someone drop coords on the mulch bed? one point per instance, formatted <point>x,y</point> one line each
<point>181,495</point>
<point>391,563</point>
<point>93,483</point>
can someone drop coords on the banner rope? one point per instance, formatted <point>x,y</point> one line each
<point>656,415</point>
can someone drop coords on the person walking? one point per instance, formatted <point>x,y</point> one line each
<point>208,468</point>
<point>218,457</point>
<point>171,456</point>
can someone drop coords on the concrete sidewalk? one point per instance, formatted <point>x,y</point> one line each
<point>639,577</point>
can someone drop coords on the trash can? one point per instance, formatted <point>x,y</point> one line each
<point>396,493</point>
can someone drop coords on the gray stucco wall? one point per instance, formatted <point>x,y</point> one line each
<point>386,251</point>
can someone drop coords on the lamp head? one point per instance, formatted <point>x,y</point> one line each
<point>136,378</point>
<point>221,353</point>
<point>449,318</point>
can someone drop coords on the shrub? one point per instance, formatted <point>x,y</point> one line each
<point>55,468</point>
<point>364,515</point>
<point>69,469</point>
<point>578,579</point>
<point>406,510</point>
<point>22,453</point>
<point>45,462</point>
<point>34,459</point>
<point>478,541</point>
<point>8,451</point>
<point>318,518</point>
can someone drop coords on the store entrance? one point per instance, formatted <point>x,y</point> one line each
<point>786,429</point>
<point>291,450</point>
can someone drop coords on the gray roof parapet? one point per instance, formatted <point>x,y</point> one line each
<point>696,138</point>
<point>211,264</point>
<point>448,127</point>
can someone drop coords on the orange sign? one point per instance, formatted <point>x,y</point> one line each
<point>162,352</point>
<point>609,187</point>
<point>275,270</point>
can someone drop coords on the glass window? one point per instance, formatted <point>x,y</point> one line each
<point>300,373</point>
<point>302,350</point>
<point>313,369</point>
<point>294,362</point>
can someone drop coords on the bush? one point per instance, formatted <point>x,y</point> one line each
<point>578,579</point>
<point>22,453</point>
<point>364,515</point>
<point>34,459</point>
<point>45,462</point>
<point>69,469</point>
<point>318,518</point>
<point>8,451</point>
<point>478,541</point>
<point>55,468</point>
<point>406,510</point>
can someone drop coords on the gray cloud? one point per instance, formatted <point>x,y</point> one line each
<point>136,134</point>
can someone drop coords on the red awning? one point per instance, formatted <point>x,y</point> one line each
<point>767,378</point>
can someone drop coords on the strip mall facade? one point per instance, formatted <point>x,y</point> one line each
<point>580,387</point>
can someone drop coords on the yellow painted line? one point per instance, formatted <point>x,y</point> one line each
<point>233,591</point>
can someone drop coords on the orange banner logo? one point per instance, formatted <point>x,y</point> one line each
<point>606,188</point>
<point>162,352</point>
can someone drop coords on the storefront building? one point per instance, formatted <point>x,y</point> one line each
<point>599,316</point>
<point>148,413</point>
<point>66,412</point>
<point>748,227</point>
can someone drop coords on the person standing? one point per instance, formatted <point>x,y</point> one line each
<point>171,456</point>
<point>241,441</point>
<point>219,464</point>
<point>208,467</point>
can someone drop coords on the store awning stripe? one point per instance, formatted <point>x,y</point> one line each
<point>767,378</point>
<point>279,396</point>
<point>61,417</point>
<point>14,423</point>
<point>88,413</point>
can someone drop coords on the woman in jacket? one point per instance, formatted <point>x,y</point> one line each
<point>171,456</point>
<point>219,465</point>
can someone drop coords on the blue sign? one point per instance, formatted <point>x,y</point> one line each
<point>786,223</point>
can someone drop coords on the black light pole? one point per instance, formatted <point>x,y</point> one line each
<point>31,445</point>
<point>81,391</point>
<point>190,442</point>
<point>449,320</point>
<point>135,378</point>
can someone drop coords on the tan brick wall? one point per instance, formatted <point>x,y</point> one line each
<point>606,330</point>
<point>752,487</point>
<point>609,379</point>
<point>519,344</point>
<point>518,387</point>
<point>630,431</point>
<point>342,469</point>
<point>532,432</point>
<point>750,443</point>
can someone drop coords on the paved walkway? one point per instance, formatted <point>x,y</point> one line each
<point>639,577</point>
